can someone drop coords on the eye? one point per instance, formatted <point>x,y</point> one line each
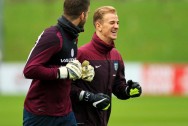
<point>112,22</point>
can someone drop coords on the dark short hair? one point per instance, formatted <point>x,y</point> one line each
<point>73,8</point>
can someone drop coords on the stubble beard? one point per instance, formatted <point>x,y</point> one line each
<point>82,23</point>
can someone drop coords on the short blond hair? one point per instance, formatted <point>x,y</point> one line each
<point>101,11</point>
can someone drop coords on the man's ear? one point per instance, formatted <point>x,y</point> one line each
<point>82,16</point>
<point>98,26</point>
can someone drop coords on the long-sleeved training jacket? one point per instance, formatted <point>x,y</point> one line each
<point>55,47</point>
<point>109,78</point>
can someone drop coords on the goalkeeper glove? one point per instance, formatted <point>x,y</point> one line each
<point>72,70</point>
<point>99,100</point>
<point>133,89</point>
<point>88,72</point>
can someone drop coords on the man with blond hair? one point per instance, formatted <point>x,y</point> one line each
<point>92,100</point>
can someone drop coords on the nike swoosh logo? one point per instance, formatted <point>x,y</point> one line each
<point>95,103</point>
<point>98,66</point>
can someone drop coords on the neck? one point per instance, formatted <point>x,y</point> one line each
<point>104,39</point>
<point>75,21</point>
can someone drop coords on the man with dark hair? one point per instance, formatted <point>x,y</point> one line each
<point>92,100</point>
<point>52,65</point>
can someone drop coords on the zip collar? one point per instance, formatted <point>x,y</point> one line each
<point>69,27</point>
<point>100,45</point>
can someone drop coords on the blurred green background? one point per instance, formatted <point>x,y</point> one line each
<point>150,31</point>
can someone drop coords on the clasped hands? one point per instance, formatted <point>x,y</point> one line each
<point>75,70</point>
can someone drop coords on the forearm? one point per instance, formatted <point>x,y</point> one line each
<point>41,72</point>
<point>75,91</point>
<point>119,92</point>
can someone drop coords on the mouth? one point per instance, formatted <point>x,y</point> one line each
<point>114,32</point>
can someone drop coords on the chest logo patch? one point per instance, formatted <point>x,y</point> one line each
<point>115,66</point>
<point>72,52</point>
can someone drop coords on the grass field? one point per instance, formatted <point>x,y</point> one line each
<point>150,30</point>
<point>143,111</point>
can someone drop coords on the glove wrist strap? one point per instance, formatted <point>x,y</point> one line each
<point>126,90</point>
<point>63,73</point>
<point>81,96</point>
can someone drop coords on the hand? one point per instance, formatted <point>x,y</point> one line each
<point>99,101</point>
<point>88,72</point>
<point>133,89</point>
<point>72,70</point>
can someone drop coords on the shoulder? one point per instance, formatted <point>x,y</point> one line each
<point>52,34</point>
<point>115,54</point>
<point>85,51</point>
<point>85,48</point>
<point>51,30</point>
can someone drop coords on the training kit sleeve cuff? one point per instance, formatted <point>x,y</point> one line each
<point>63,73</point>
<point>81,95</point>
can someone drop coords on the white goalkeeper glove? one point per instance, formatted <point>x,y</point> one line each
<point>88,72</point>
<point>73,70</point>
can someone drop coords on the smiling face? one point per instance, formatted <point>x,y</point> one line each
<point>107,28</point>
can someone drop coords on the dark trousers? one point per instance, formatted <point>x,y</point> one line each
<point>30,119</point>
